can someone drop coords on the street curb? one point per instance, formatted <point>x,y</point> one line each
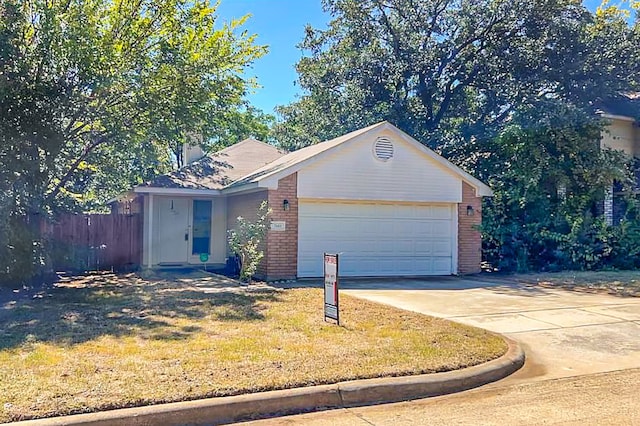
<point>259,405</point>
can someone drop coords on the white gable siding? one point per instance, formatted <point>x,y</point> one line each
<point>354,173</point>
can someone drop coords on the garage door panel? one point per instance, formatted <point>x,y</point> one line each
<point>376,239</point>
<point>403,248</point>
<point>400,266</point>
<point>441,231</point>
<point>423,248</point>
<point>441,265</point>
<point>441,247</point>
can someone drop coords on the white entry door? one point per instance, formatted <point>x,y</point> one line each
<point>172,236</point>
<point>377,239</point>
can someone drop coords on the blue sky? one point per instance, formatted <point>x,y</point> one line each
<point>280,25</point>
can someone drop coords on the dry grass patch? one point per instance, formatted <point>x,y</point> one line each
<point>108,341</point>
<point>619,283</point>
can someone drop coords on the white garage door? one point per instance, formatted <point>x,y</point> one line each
<point>377,239</point>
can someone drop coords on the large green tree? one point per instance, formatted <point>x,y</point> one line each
<point>105,88</point>
<point>98,95</point>
<point>506,89</point>
<point>447,70</point>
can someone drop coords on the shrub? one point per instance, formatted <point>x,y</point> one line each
<point>245,241</point>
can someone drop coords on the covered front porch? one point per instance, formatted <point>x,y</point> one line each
<point>184,229</point>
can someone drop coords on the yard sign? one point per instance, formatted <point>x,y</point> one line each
<point>331,287</point>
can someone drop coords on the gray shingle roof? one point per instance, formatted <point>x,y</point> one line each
<point>221,168</point>
<point>250,162</point>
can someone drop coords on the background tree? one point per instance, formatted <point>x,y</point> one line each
<point>505,89</point>
<point>549,178</point>
<point>448,70</point>
<point>101,78</point>
<point>95,95</point>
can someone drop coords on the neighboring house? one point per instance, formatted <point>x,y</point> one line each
<point>622,133</point>
<point>388,204</point>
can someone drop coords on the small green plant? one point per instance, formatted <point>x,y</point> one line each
<point>245,241</point>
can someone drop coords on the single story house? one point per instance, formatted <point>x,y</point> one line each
<point>387,203</point>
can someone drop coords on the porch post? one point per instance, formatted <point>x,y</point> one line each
<point>150,234</point>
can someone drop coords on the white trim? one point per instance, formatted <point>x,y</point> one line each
<point>249,187</point>
<point>617,117</point>
<point>176,191</point>
<point>370,201</point>
<point>150,213</point>
<point>454,251</point>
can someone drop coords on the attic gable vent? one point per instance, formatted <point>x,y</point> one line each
<point>383,149</point>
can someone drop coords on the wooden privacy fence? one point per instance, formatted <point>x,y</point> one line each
<point>94,241</point>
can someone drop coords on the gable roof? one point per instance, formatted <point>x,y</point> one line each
<point>268,175</point>
<point>219,169</point>
<point>252,164</point>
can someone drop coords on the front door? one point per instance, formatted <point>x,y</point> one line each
<point>201,231</point>
<point>173,230</point>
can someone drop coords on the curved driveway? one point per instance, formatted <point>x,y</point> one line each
<point>564,333</point>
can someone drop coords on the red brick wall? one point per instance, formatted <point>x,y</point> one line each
<point>247,206</point>
<point>282,246</point>
<point>469,239</point>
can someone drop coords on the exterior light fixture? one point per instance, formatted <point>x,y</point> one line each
<point>470,211</point>
<point>285,205</point>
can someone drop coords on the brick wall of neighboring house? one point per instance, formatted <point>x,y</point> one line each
<point>282,246</point>
<point>246,205</point>
<point>469,239</point>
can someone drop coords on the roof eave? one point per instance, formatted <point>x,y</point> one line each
<point>617,117</point>
<point>175,191</point>
<point>247,187</point>
<point>270,180</point>
<point>482,190</point>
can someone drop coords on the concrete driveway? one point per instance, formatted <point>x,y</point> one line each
<point>564,333</point>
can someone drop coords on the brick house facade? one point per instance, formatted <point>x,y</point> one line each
<point>469,238</point>
<point>392,206</point>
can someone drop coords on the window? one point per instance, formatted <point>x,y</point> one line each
<point>201,227</point>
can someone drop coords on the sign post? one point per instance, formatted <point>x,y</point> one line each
<point>331,307</point>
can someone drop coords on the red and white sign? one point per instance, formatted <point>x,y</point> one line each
<point>331,287</point>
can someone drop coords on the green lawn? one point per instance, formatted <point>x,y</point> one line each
<point>109,341</point>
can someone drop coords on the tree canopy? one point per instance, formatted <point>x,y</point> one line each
<point>507,90</point>
<point>447,70</point>
<point>96,94</point>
